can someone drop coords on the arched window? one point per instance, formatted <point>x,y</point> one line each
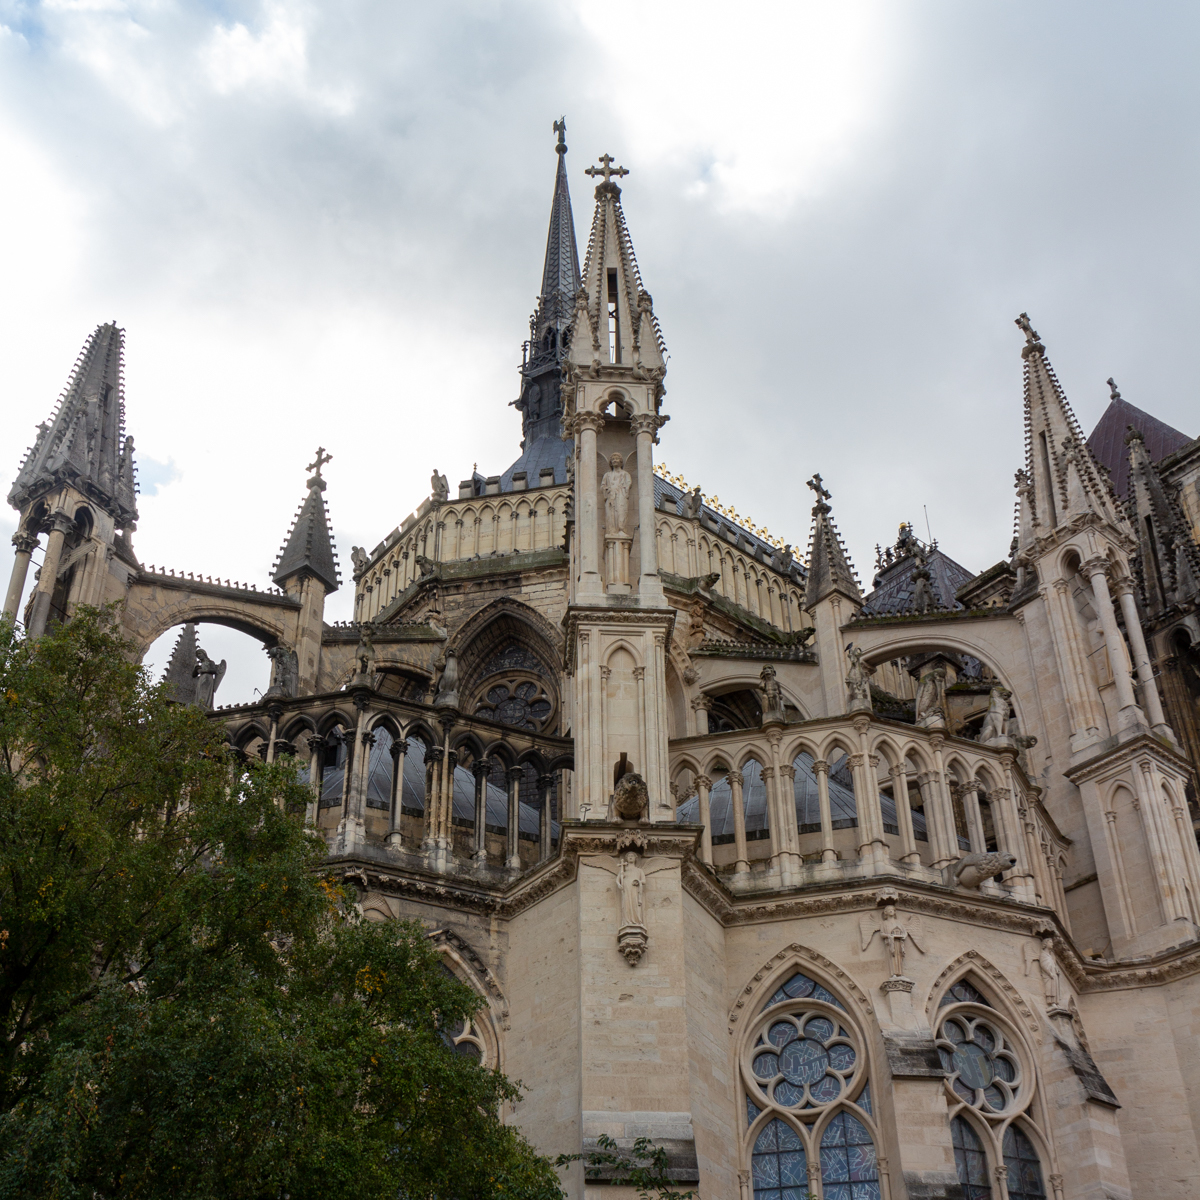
<point>842,808</point>
<point>379,770</point>
<point>333,767</point>
<point>970,1160</point>
<point>412,798</point>
<point>808,1100</point>
<point>987,1072</point>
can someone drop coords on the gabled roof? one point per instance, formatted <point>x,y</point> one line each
<point>829,567</point>
<point>1107,440</point>
<point>309,544</point>
<point>893,587</point>
<point>84,443</point>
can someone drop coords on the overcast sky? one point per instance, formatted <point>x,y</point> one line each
<point>324,223</point>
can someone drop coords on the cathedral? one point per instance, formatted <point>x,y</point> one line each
<point>833,891</point>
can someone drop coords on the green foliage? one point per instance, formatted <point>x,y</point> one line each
<point>187,1007</point>
<point>644,1167</point>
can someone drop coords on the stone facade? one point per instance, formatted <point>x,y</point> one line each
<point>893,894</point>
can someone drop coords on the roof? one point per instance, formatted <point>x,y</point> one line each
<point>1107,440</point>
<point>309,544</point>
<point>892,588</point>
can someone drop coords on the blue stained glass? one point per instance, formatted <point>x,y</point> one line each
<point>864,1100</point>
<point>1024,1169</point>
<point>779,1164</point>
<point>788,1094</point>
<point>841,1057</point>
<point>826,1090</point>
<point>804,1061</point>
<point>963,993</point>
<point>970,1161</point>
<point>781,1033</point>
<point>752,1111</point>
<point>819,1028</point>
<point>849,1169</point>
<point>766,1066</point>
<point>800,986</point>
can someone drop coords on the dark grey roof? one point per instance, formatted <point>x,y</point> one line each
<point>84,443</point>
<point>892,593</point>
<point>309,544</point>
<point>549,451</point>
<point>829,567</point>
<point>1107,440</point>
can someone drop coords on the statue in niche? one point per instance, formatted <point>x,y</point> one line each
<point>1047,966</point>
<point>772,696</point>
<point>284,671</point>
<point>996,722</point>
<point>208,675</point>
<point>614,487</point>
<point>894,932</point>
<point>693,502</point>
<point>439,486</point>
<point>931,697</point>
<point>858,680</point>
<point>631,871</point>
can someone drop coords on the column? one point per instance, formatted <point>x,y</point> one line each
<point>545,828</point>
<point>643,764</point>
<point>1118,657</point>
<point>513,859</point>
<point>480,769</point>
<point>61,524</point>
<point>274,713</point>
<point>645,427</point>
<point>446,825</point>
<point>703,784</point>
<point>779,859</point>
<point>1113,839</point>
<point>737,801</point>
<point>1151,701</point>
<point>787,808</point>
<point>24,544</point>
<point>314,780</point>
<point>821,770</point>
<point>433,780</point>
<point>1162,860</point>
<point>701,706</point>
<point>1081,711</point>
<point>584,428</point>
<point>968,793</point>
<point>399,751</point>
<point>941,809</point>
<point>908,844</point>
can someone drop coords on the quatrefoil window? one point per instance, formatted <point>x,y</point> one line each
<point>980,1066</point>
<point>524,703</point>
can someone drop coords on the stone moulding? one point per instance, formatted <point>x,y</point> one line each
<point>973,960</point>
<point>644,618</point>
<point>467,953</point>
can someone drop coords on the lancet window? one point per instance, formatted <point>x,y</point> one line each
<point>990,1086</point>
<point>379,769</point>
<point>808,1099</point>
<point>334,753</point>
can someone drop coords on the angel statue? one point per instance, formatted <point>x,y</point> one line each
<point>209,675</point>
<point>894,933</point>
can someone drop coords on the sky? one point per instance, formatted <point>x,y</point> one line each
<point>324,224</point>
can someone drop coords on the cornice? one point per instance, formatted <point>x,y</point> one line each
<point>1113,756</point>
<point>578,614</point>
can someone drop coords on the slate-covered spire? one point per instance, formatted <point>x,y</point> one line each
<point>308,548</point>
<point>1061,479</point>
<point>615,322</point>
<point>180,675</point>
<point>1168,566</point>
<point>84,443</point>
<point>1108,444</point>
<point>829,567</point>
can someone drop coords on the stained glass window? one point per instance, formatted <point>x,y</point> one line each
<point>970,1161</point>
<point>981,1068</point>
<point>800,987</point>
<point>379,770</point>
<point>963,993</point>
<point>803,1060</point>
<point>779,1164</point>
<point>1024,1170</point>
<point>333,768</point>
<point>849,1170</point>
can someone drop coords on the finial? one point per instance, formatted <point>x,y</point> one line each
<point>560,127</point>
<point>1033,342</point>
<point>818,486</point>
<point>322,459</point>
<point>607,170</point>
<point>1114,392</point>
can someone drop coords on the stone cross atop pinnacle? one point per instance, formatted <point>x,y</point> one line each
<point>607,169</point>
<point>321,460</point>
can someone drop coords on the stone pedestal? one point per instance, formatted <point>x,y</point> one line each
<point>616,563</point>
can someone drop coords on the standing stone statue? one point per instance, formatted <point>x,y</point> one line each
<point>1047,966</point>
<point>365,654</point>
<point>359,558</point>
<point>447,693</point>
<point>439,486</point>
<point>772,695</point>
<point>208,676</point>
<point>858,681</point>
<point>894,932</point>
<point>284,671</point>
<point>615,489</point>
<point>931,697</point>
<point>923,597</point>
<point>693,501</point>
<point>631,882</point>
<point>996,721</point>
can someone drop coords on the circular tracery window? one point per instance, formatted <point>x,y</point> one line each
<point>803,1060</point>
<point>981,1068</point>
<point>524,703</point>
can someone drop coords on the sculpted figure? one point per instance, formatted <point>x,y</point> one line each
<point>972,869</point>
<point>894,932</point>
<point>996,721</point>
<point>931,695</point>
<point>783,559</point>
<point>923,597</point>
<point>631,872</point>
<point>209,675</point>
<point>615,489</point>
<point>439,486</point>
<point>359,558</point>
<point>772,694</point>
<point>447,693</point>
<point>1047,966</point>
<point>858,680</point>
<point>630,797</point>
<point>366,651</point>
<point>693,501</point>
<point>284,672</point>
<point>631,880</point>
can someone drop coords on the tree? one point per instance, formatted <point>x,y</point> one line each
<point>188,1007</point>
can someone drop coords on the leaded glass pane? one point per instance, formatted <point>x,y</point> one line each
<point>1024,1169</point>
<point>848,1167</point>
<point>779,1165</point>
<point>379,771</point>
<point>963,993</point>
<point>800,986</point>
<point>413,796</point>
<point>970,1161</point>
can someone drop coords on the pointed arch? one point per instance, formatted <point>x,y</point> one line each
<point>993,980</point>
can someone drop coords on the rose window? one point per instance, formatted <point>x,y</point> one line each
<point>524,703</point>
<point>980,1066</point>
<point>803,1060</point>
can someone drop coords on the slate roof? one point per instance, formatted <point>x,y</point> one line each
<point>892,588</point>
<point>1107,440</point>
<point>309,544</point>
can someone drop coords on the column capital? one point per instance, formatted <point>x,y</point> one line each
<point>787,771</point>
<point>768,772</point>
<point>648,423</point>
<point>481,768</point>
<point>1060,585</point>
<point>1123,586</point>
<point>639,673</point>
<point>584,421</point>
<point>513,774</point>
<point>702,701</point>
<point>820,766</point>
<point>703,781</point>
<point>24,543</point>
<point>1097,565</point>
<point>736,779</point>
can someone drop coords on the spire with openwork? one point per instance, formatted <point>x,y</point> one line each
<point>308,549</point>
<point>829,567</point>
<point>1061,480</point>
<point>84,445</point>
